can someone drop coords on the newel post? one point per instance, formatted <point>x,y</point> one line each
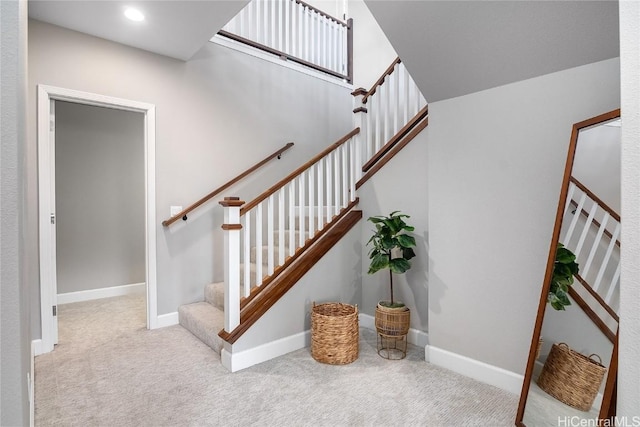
<point>360,121</point>
<point>231,229</point>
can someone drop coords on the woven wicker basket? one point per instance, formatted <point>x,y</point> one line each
<point>571,377</point>
<point>392,321</point>
<point>334,333</point>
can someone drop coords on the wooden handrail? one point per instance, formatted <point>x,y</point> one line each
<point>595,198</point>
<point>284,55</point>
<point>183,214</point>
<point>250,205</point>
<point>381,80</point>
<point>319,12</point>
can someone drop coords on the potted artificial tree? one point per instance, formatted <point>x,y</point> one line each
<point>392,248</point>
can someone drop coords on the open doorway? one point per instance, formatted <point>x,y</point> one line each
<point>99,215</point>
<point>97,202</point>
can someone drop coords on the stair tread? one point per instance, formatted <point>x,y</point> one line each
<point>204,321</point>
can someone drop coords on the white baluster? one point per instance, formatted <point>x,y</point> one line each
<point>258,240</point>
<point>335,155</point>
<point>324,40</point>
<point>231,229</point>
<point>258,18</point>
<point>345,173</point>
<point>281,254</point>
<point>292,218</point>
<point>607,256</point>
<point>613,285</point>
<point>287,25</point>
<point>270,232</point>
<point>574,221</point>
<point>311,198</point>
<point>395,95</point>
<point>320,166</point>
<point>328,186</point>
<point>307,35</point>
<point>585,230</point>
<point>301,224</point>
<point>273,41</point>
<point>596,244</point>
<point>405,101</point>
<point>571,191</point>
<point>246,259</point>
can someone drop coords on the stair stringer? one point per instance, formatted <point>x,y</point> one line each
<point>286,326</point>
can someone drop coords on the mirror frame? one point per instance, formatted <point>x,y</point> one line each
<point>608,407</point>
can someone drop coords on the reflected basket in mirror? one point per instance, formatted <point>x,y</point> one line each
<point>571,377</point>
<point>539,349</point>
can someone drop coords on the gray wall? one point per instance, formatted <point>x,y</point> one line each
<point>99,197</point>
<point>495,161</point>
<point>14,294</point>
<point>217,114</point>
<point>629,379</point>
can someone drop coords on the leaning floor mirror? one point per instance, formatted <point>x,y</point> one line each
<point>572,367</point>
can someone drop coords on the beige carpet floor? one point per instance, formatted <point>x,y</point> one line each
<point>108,370</point>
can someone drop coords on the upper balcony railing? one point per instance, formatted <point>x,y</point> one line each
<point>297,32</point>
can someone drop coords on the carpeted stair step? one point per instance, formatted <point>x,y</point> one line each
<point>204,321</point>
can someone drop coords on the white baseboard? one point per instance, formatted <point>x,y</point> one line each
<point>415,337</point>
<point>168,319</point>
<point>480,371</point>
<point>91,294</point>
<point>36,347</point>
<point>237,361</point>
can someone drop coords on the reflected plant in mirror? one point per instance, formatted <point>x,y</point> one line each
<point>564,269</point>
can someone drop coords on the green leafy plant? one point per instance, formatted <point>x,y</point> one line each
<point>391,248</point>
<point>564,268</point>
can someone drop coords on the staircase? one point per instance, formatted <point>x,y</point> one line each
<point>272,241</point>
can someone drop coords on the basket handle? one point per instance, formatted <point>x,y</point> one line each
<point>599,358</point>
<point>560,344</point>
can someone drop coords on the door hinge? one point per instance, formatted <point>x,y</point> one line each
<point>55,310</point>
<point>53,218</point>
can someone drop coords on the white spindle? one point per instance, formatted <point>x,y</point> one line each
<point>246,230</point>
<point>281,254</point>
<point>335,159</point>
<point>396,99</point>
<point>596,244</point>
<point>406,91</point>
<point>258,21</point>
<point>307,35</point>
<point>270,233</point>
<point>292,217</point>
<point>301,209</point>
<point>585,230</point>
<point>572,190</point>
<point>328,186</point>
<point>613,285</point>
<point>345,174</point>
<point>311,198</point>
<point>258,240</point>
<point>607,256</point>
<point>320,166</point>
<point>287,25</point>
<point>574,221</point>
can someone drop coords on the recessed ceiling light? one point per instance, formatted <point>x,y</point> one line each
<point>134,14</point>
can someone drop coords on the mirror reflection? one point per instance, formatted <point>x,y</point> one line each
<point>575,350</point>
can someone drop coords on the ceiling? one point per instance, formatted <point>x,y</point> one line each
<point>453,48</point>
<point>177,29</point>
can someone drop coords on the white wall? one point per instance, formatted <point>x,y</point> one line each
<point>99,197</point>
<point>217,114</point>
<point>400,185</point>
<point>629,378</point>
<point>495,163</point>
<point>14,294</point>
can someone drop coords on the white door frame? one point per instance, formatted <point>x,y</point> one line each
<point>47,237</point>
